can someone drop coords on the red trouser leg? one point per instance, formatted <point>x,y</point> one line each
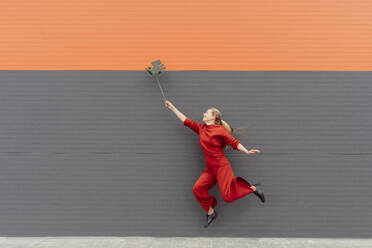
<point>231,187</point>
<point>205,182</point>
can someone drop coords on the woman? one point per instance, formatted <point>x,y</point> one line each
<point>214,135</point>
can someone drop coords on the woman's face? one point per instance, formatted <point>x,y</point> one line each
<point>207,116</point>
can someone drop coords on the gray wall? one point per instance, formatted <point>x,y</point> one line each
<point>96,153</point>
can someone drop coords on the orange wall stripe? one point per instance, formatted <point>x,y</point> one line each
<point>186,35</point>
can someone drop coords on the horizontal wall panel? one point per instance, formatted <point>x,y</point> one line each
<point>188,35</point>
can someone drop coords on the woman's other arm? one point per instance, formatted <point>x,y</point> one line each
<point>242,148</point>
<point>230,140</point>
<point>236,144</point>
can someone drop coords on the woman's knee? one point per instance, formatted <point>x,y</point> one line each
<point>199,190</point>
<point>195,188</point>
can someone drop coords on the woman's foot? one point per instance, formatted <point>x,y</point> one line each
<point>210,218</point>
<point>259,192</point>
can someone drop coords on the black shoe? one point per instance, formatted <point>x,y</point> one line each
<point>259,192</point>
<point>210,218</point>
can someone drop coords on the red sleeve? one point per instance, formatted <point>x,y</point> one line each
<point>192,124</point>
<point>230,140</point>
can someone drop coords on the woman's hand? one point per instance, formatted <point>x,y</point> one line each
<point>169,105</point>
<point>253,151</point>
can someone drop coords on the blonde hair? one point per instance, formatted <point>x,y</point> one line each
<point>219,121</point>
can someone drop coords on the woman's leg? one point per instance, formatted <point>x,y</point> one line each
<point>200,189</point>
<point>231,187</point>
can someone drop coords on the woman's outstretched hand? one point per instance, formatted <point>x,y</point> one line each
<point>253,151</point>
<point>169,105</point>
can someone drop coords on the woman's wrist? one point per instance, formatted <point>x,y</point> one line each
<point>249,152</point>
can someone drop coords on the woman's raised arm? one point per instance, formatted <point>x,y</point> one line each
<point>178,113</point>
<point>195,126</point>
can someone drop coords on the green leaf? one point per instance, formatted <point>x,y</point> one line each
<point>157,68</point>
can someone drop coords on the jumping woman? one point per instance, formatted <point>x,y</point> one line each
<point>214,135</point>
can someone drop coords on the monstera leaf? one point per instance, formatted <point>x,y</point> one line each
<point>157,68</point>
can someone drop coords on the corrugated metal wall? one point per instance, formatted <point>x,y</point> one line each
<point>321,35</point>
<point>97,153</point>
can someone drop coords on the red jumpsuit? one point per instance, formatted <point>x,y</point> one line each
<point>212,139</point>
